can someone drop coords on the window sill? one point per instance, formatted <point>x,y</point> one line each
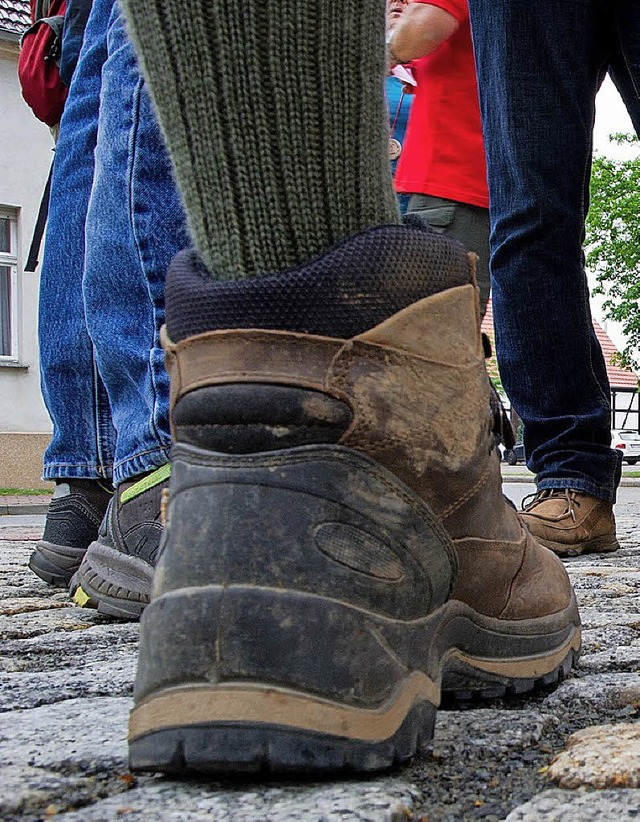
<point>7,363</point>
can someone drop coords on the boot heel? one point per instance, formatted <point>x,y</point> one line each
<point>286,600</point>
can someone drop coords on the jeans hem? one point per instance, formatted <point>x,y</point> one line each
<point>71,470</point>
<point>140,463</point>
<point>584,485</point>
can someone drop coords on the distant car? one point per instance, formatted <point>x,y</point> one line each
<point>628,442</point>
<point>512,456</point>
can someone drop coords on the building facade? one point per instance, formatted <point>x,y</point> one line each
<point>24,165</point>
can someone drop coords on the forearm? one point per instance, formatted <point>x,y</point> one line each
<point>420,30</point>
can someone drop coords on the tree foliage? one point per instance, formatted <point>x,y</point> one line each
<point>492,366</point>
<point>613,244</point>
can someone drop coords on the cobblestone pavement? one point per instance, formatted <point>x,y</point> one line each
<point>571,754</point>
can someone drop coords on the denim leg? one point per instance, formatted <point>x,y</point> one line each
<point>623,82</point>
<point>625,61</point>
<point>82,442</point>
<point>539,68</point>
<point>135,225</point>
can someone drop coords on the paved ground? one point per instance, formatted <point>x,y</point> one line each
<point>571,754</point>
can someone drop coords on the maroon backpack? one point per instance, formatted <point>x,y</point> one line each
<point>38,70</point>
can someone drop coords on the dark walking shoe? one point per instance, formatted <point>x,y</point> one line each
<point>570,522</point>
<point>75,512</point>
<point>337,547</point>
<point>117,571</point>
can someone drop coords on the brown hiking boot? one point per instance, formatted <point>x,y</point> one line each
<point>570,522</point>
<point>337,550</point>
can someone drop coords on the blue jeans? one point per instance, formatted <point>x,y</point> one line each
<point>539,68</point>
<point>115,222</point>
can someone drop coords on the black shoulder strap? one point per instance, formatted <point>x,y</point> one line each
<point>42,9</point>
<point>38,231</point>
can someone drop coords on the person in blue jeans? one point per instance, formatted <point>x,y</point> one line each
<point>115,222</point>
<point>539,69</point>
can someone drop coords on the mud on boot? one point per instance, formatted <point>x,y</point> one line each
<point>337,546</point>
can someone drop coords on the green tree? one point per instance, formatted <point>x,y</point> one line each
<point>613,243</point>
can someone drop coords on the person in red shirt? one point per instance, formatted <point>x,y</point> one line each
<point>442,164</point>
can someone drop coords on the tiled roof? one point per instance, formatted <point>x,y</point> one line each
<point>618,377</point>
<point>15,15</point>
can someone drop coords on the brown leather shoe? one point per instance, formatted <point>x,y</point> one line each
<point>571,523</point>
<point>337,550</point>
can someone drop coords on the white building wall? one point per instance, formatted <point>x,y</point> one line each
<point>25,159</point>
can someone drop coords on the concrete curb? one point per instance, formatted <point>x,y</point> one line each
<point>624,483</point>
<point>27,509</point>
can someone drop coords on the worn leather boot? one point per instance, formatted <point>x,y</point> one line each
<point>336,548</point>
<point>570,522</point>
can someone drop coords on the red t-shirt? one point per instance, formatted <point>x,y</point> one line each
<point>443,152</point>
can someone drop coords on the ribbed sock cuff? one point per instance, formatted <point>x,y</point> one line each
<point>276,122</point>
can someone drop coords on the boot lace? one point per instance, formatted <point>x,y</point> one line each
<point>569,495</point>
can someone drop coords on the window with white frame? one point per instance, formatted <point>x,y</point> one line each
<point>8,284</point>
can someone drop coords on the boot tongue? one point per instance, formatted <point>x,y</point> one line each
<point>551,503</point>
<point>352,287</point>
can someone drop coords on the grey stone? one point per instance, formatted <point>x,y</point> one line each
<point>385,800</point>
<point>610,690</point>
<point>44,622</point>
<point>579,806</point>
<point>13,606</point>
<point>30,690</point>
<point>58,650</point>
<point>594,617</point>
<point>489,730</point>
<point>619,658</point>
<point>86,735</point>
<point>26,792</point>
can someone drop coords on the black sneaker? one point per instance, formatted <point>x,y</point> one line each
<point>75,512</point>
<point>117,571</point>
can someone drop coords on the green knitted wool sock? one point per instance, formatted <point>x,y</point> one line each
<point>275,118</point>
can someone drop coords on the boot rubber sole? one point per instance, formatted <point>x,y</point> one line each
<point>114,583</point>
<point>599,545</point>
<point>239,728</point>
<point>223,730</point>
<point>56,564</point>
<point>301,621</point>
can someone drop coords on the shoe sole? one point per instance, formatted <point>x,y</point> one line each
<point>113,583</point>
<point>511,671</point>
<point>56,564</point>
<point>241,728</point>
<point>302,625</point>
<point>223,731</point>
<point>599,545</point>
